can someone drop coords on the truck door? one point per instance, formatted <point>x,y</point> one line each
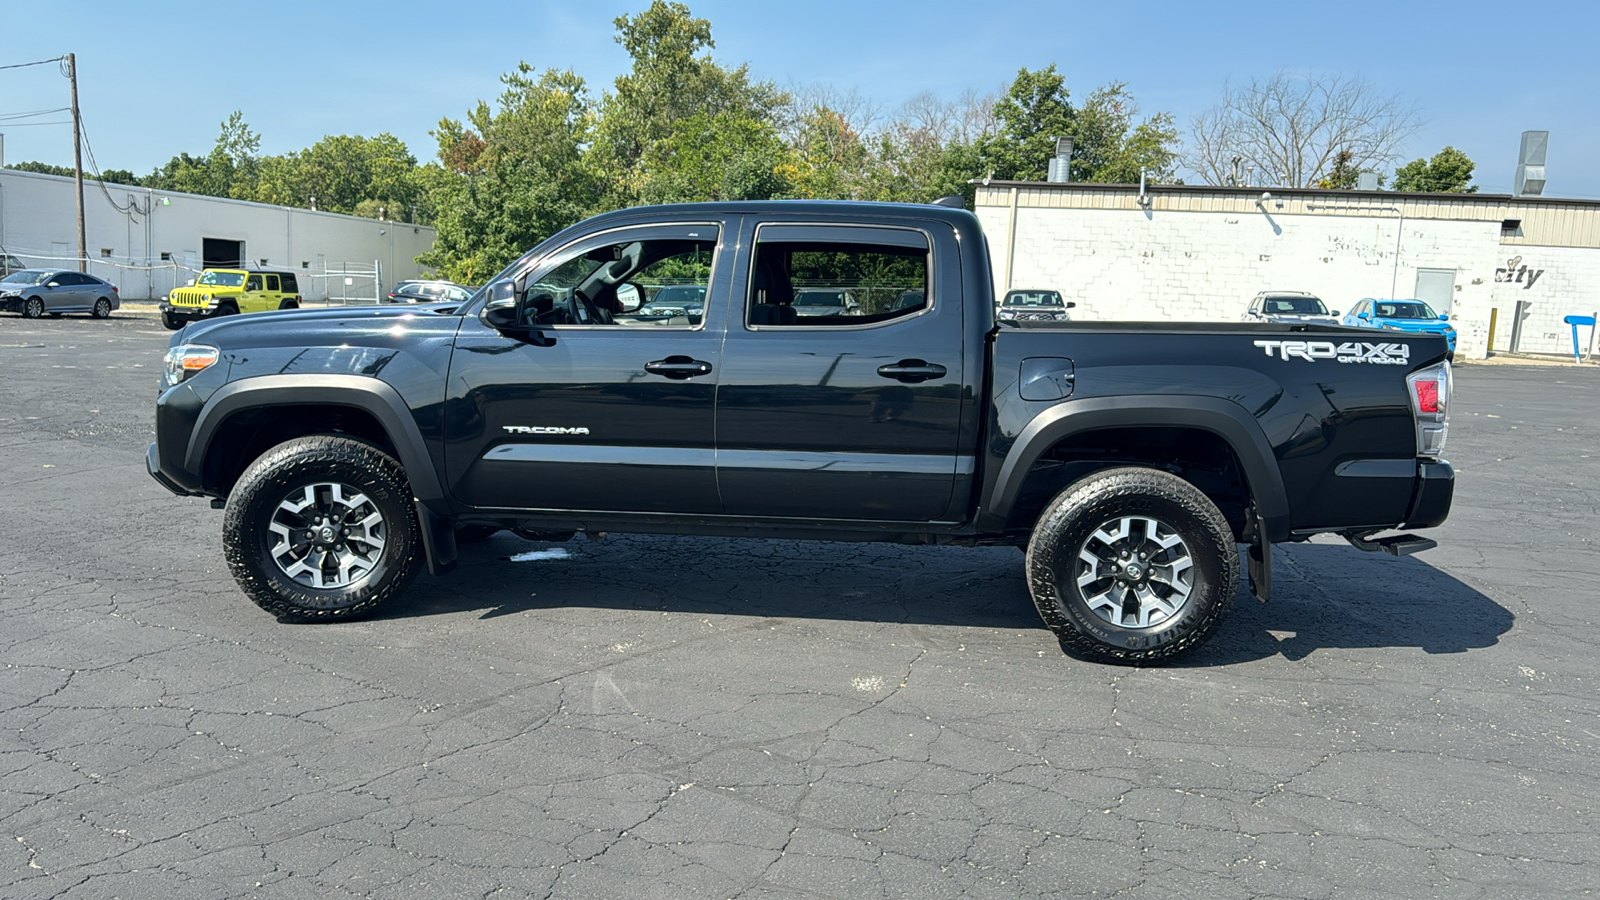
<point>840,391</point>
<point>594,408</point>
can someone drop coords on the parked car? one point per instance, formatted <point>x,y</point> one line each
<point>227,292</point>
<point>1131,462</point>
<point>34,292</point>
<point>9,264</point>
<point>1034,306</point>
<point>675,300</point>
<point>811,302</point>
<point>1289,308</point>
<point>1401,315</point>
<point>429,292</point>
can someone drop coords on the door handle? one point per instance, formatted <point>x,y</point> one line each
<point>912,371</point>
<point>678,367</point>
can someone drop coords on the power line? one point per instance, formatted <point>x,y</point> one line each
<point>41,62</point>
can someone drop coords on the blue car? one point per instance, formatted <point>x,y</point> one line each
<point>1401,315</point>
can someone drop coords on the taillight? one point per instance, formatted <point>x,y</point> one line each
<point>1430,407</point>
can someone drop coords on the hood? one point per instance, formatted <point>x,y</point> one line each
<point>1304,320</point>
<point>306,322</point>
<point>1430,326</point>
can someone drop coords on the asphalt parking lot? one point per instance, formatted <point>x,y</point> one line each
<point>671,717</point>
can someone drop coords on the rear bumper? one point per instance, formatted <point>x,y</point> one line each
<point>1436,485</point>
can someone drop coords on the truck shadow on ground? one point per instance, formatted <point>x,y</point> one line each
<point>1324,596</point>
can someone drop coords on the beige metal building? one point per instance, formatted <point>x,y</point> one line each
<point>1200,253</point>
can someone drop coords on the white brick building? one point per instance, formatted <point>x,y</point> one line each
<point>147,241</point>
<point>1200,253</point>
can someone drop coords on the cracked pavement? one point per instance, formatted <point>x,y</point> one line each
<point>686,717</point>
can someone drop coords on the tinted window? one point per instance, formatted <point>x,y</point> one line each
<point>1406,309</point>
<point>1295,306</point>
<point>826,284</point>
<point>272,282</point>
<point>290,286</point>
<point>253,283</point>
<point>602,284</point>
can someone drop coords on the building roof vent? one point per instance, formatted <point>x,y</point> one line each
<point>1060,169</point>
<point>1529,181</point>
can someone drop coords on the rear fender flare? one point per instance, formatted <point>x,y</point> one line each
<point>1223,418</point>
<point>370,395</point>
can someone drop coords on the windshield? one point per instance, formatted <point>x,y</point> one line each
<point>1032,298</point>
<point>1294,306</point>
<point>1405,309</point>
<point>818,298</point>
<point>678,294</point>
<point>222,279</point>
<point>26,277</point>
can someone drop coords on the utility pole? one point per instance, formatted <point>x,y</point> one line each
<point>77,161</point>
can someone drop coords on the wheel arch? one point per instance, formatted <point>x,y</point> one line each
<point>373,410</point>
<point>1228,421</point>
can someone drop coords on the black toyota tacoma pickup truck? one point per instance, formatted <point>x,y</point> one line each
<point>350,447</point>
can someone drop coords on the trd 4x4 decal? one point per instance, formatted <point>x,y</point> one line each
<point>1347,352</point>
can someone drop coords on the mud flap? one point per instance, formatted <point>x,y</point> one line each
<point>438,540</point>
<point>1259,558</point>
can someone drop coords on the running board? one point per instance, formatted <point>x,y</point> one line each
<point>1394,544</point>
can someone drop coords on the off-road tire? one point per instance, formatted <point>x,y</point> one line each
<point>226,309</point>
<point>102,308</point>
<point>283,471</point>
<point>288,304</point>
<point>1090,507</point>
<point>33,309</point>
<point>171,323</point>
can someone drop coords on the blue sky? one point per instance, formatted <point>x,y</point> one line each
<point>158,78</point>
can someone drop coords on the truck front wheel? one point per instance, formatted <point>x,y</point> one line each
<point>321,529</point>
<point>1132,565</point>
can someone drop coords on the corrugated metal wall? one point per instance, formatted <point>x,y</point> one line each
<point>1544,223</point>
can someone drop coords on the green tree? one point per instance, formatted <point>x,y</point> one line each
<point>1450,171</point>
<point>670,82</point>
<point>729,156</point>
<point>1109,148</point>
<point>512,176</point>
<point>229,170</point>
<point>1031,115</point>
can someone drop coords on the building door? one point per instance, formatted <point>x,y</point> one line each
<point>1437,288</point>
<point>220,254</point>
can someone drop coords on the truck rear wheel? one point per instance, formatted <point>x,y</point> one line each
<point>321,529</point>
<point>1132,566</point>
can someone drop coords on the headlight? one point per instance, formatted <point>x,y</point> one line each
<point>185,360</point>
<point>206,300</point>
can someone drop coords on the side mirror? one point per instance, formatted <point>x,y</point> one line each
<point>1444,317</point>
<point>1335,314</point>
<point>500,311</point>
<point>54,284</point>
<point>629,297</point>
<point>1365,316</point>
<point>1072,304</point>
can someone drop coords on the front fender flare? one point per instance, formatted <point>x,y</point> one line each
<point>370,395</point>
<point>1224,418</point>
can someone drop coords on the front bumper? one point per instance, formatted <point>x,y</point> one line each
<point>187,313</point>
<point>12,304</point>
<point>1436,485</point>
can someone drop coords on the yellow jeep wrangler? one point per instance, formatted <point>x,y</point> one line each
<point>226,292</point>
